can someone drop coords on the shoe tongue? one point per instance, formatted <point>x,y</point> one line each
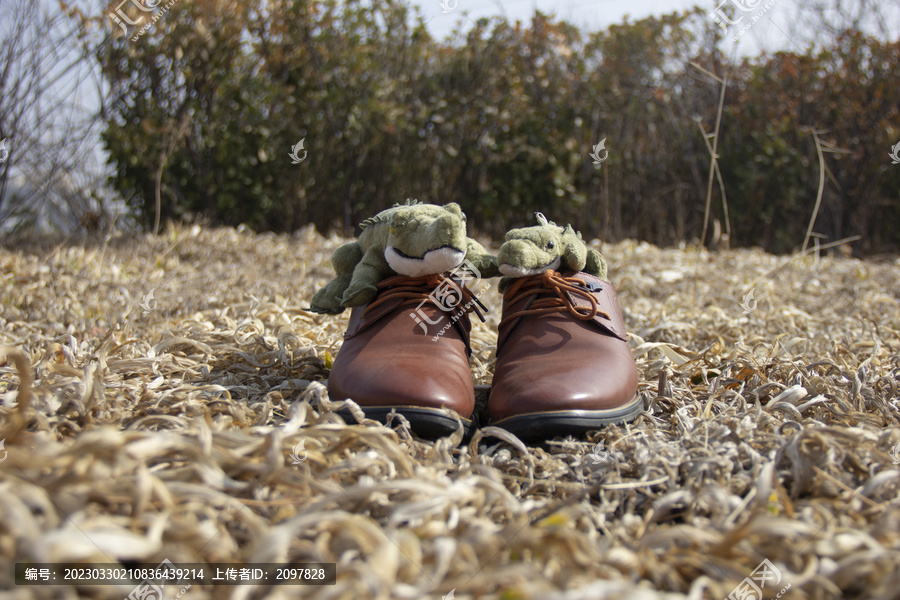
<point>602,290</point>
<point>607,304</point>
<point>362,317</point>
<point>391,301</point>
<point>523,303</point>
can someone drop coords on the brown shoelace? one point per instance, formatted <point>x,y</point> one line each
<point>414,290</point>
<point>546,282</point>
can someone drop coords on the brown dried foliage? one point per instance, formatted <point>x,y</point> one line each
<point>168,433</point>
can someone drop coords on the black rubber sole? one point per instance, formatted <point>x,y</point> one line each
<point>533,427</point>
<point>428,423</point>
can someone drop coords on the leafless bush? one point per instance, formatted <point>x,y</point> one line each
<point>48,115</point>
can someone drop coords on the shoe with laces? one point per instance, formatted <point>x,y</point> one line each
<point>407,351</point>
<point>564,366</point>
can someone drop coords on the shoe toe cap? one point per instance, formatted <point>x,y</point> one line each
<point>600,378</point>
<point>430,374</point>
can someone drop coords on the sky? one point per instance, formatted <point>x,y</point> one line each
<point>771,32</point>
<point>595,14</point>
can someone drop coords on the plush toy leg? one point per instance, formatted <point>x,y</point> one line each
<point>370,270</point>
<point>344,260</point>
<point>479,257</point>
<point>596,264</point>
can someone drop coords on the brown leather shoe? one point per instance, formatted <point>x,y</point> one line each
<point>564,366</point>
<point>407,351</point>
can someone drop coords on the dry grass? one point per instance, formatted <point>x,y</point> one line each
<point>167,434</point>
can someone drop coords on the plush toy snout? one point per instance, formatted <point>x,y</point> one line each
<point>522,257</point>
<point>533,250</point>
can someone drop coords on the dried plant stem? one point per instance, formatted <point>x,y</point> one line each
<point>799,255</point>
<point>812,221</point>
<point>23,398</point>
<point>714,156</point>
<point>159,172</point>
<point>715,162</point>
<point>176,135</point>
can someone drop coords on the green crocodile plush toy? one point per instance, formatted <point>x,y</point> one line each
<point>408,239</point>
<point>533,250</point>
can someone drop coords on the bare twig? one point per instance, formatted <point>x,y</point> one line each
<point>43,58</point>
<point>821,149</point>
<point>23,399</point>
<point>812,221</point>
<point>176,135</point>
<point>714,157</point>
<point>715,162</point>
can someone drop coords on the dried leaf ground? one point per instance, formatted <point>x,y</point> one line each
<point>163,427</point>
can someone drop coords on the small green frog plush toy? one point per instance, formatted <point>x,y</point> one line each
<point>410,239</point>
<point>547,246</point>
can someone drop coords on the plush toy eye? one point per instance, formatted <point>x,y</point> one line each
<point>550,245</point>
